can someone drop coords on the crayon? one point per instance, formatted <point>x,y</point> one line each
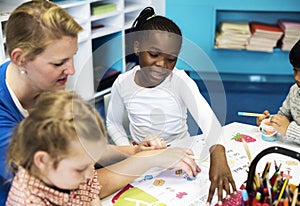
<point>250,114</point>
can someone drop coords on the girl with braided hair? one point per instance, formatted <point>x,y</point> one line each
<point>157,97</point>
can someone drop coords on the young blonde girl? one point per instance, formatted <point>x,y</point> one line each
<point>53,152</point>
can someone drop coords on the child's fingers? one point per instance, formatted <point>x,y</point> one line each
<point>266,114</point>
<point>155,142</point>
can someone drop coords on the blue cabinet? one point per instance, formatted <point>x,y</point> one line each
<point>198,20</point>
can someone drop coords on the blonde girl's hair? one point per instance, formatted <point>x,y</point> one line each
<point>35,24</point>
<point>57,119</point>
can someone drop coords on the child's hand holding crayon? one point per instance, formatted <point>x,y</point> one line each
<point>259,119</point>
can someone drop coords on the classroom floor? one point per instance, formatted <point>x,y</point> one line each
<point>240,96</point>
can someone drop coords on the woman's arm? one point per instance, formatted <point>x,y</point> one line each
<point>115,153</point>
<point>116,176</point>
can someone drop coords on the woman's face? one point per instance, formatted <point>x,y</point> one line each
<point>49,70</point>
<point>158,55</point>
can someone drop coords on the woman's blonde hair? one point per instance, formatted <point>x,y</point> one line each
<point>57,119</point>
<point>35,24</point>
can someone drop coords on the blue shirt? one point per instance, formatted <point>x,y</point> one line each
<point>10,116</point>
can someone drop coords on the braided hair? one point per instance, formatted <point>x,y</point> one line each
<point>148,20</point>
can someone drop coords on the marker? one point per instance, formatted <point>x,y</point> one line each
<point>250,114</point>
<point>245,197</point>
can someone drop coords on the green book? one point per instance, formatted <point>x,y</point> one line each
<point>102,8</point>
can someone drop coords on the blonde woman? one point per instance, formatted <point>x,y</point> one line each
<point>41,40</point>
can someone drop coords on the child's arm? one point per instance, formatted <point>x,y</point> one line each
<point>219,173</point>
<point>285,122</point>
<point>280,123</point>
<point>115,117</point>
<point>291,130</point>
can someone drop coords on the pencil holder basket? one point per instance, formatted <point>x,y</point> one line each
<point>247,197</point>
<point>251,175</point>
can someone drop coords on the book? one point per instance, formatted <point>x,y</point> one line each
<point>100,8</point>
<point>240,27</point>
<point>289,25</point>
<point>264,36</point>
<point>258,40</point>
<point>269,30</point>
<point>291,35</point>
<point>259,48</point>
<point>232,35</point>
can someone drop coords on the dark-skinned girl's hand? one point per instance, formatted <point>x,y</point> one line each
<point>219,174</point>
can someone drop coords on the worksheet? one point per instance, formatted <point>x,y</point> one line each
<point>173,186</point>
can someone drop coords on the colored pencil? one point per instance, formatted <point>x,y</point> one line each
<point>250,114</point>
<point>247,150</point>
<point>281,191</point>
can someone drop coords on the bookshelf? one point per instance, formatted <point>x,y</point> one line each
<point>204,16</point>
<point>101,44</point>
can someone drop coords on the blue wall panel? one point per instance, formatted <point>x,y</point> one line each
<point>199,19</point>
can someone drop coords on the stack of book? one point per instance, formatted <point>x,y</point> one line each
<point>264,37</point>
<point>232,35</point>
<point>291,33</point>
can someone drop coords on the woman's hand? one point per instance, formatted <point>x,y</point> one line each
<point>266,114</point>
<point>219,174</point>
<point>173,158</point>
<point>280,123</point>
<point>151,142</point>
<point>186,163</point>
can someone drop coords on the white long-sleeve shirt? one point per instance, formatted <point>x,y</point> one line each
<point>161,110</point>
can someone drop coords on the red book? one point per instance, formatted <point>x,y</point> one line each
<point>264,27</point>
<point>272,31</point>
